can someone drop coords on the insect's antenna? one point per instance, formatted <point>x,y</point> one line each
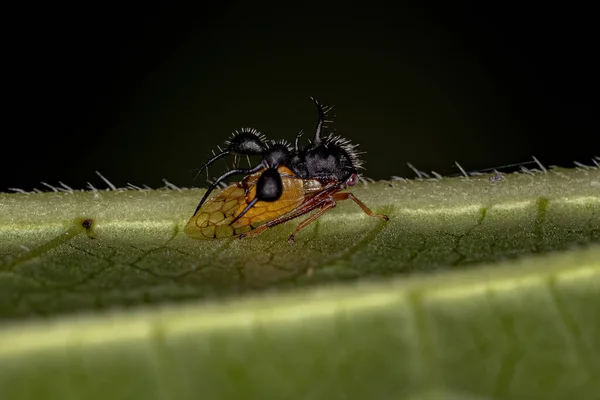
<point>245,210</point>
<point>212,160</point>
<point>225,176</point>
<point>297,143</point>
<point>321,121</point>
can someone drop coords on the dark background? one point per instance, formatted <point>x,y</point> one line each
<point>146,94</point>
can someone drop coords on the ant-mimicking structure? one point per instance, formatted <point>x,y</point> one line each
<point>288,182</point>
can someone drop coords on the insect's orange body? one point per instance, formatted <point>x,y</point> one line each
<point>284,185</point>
<point>213,219</point>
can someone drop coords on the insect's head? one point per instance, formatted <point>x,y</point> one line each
<point>330,157</point>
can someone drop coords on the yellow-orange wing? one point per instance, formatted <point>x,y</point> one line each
<point>213,219</point>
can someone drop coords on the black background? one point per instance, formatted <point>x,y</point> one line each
<point>146,94</point>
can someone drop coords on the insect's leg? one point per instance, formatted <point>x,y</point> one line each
<point>254,231</point>
<point>328,205</point>
<point>306,208</point>
<point>224,176</point>
<point>349,195</point>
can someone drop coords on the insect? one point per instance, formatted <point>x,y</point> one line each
<point>287,183</point>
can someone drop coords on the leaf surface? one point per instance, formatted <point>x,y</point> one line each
<point>457,295</point>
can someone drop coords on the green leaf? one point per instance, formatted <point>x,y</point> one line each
<point>475,288</point>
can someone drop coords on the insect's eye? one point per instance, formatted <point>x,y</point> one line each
<point>353,180</point>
